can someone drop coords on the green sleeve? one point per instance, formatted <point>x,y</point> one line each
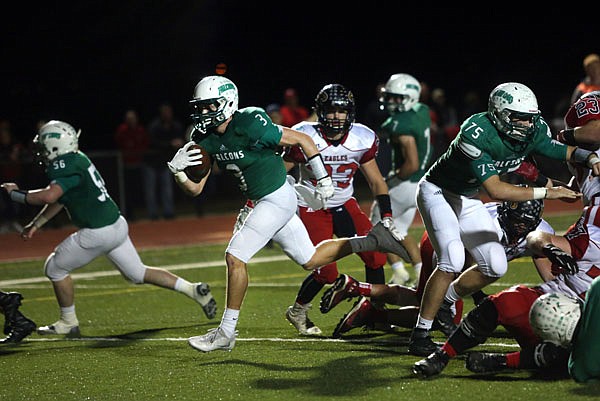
<point>546,146</point>
<point>262,129</point>
<point>68,182</point>
<point>480,162</point>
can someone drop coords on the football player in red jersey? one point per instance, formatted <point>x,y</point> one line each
<point>346,146</point>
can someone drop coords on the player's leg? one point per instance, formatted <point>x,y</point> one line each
<point>319,224</point>
<point>75,251</point>
<point>270,219</point>
<point>439,213</point>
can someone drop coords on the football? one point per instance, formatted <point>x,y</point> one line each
<point>197,173</point>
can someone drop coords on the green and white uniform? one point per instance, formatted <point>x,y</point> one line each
<point>454,216</point>
<point>416,123</point>
<point>249,151</point>
<point>102,229</point>
<point>584,361</point>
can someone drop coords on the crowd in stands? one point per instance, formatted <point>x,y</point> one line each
<point>145,147</point>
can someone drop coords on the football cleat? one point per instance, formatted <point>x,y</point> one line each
<point>487,363</point>
<point>360,315</point>
<point>214,339</point>
<point>21,327</point>
<point>297,315</point>
<point>344,287</point>
<point>60,327</point>
<point>432,365</point>
<point>420,343</point>
<point>203,296</point>
<point>387,242</point>
<point>9,303</point>
<point>444,319</point>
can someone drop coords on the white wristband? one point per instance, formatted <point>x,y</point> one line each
<point>40,221</point>
<point>593,160</point>
<point>180,177</point>
<point>318,166</point>
<point>540,192</point>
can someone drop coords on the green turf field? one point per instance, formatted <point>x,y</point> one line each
<point>134,342</point>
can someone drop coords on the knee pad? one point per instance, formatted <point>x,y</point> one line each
<point>52,271</point>
<point>481,321</point>
<point>326,274</point>
<point>495,260</point>
<point>456,257</point>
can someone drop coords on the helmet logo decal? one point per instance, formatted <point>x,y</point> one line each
<point>225,87</point>
<point>412,86</point>
<point>503,95</point>
<point>55,135</point>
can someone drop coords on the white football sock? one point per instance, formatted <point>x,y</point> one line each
<point>185,287</point>
<point>229,321</point>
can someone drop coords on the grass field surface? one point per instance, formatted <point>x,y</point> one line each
<point>134,341</point>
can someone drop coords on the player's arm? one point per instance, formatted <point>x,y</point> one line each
<point>47,213</point>
<point>588,133</point>
<point>36,197</point>
<point>503,191</point>
<point>410,157</point>
<point>188,186</point>
<point>290,137</point>
<point>372,174</point>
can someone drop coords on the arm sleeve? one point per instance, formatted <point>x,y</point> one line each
<point>67,182</point>
<point>481,163</point>
<point>262,129</point>
<point>546,146</point>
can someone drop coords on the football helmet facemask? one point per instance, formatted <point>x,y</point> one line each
<point>332,98</point>
<point>215,100</point>
<point>517,219</point>
<point>55,138</point>
<point>400,93</point>
<point>513,109</point>
<point>554,317</point>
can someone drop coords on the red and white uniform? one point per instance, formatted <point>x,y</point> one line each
<point>342,215</point>
<point>580,113</point>
<point>513,304</point>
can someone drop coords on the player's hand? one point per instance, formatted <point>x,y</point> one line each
<point>28,231</point>
<point>185,157</point>
<point>562,262</point>
<point>388,223</point>
<point>562,193</point>
<point>593,163</point>
<point>9,187</point>
<point>324,189</point>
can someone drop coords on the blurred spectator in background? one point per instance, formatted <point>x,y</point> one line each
<point>11,160</point>
<point>132,140</point>
<point>274,111</point>
<point>591,81</point>
<point>292,112</point>
<point>167,135</point>
<point>447,120</point>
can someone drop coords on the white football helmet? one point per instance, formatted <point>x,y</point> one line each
<point>554,317</point>
<point>400,93</point>
<point>215,100</point>
<point>513,108</point>
<point>55,138</point>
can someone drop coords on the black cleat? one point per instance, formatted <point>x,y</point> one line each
<point>432,365</point>
<point>21,328</point>
<point>482,362</point>
<point>444,321</point>
<point>420,343</point>
<point>9,302</point>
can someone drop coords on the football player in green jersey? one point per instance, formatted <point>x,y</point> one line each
<point>407,128</point>
<point>77,186</point>
<point>245,143</point>
<point>489,144</point>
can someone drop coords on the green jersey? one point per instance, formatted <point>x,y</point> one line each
<point>416,123</point>
<point>248,151</point>
<point>584,361</point>
<point>85,197</point>
<point>479,151</point>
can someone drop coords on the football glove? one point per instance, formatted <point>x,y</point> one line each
<point>388,223</point>
<point>562,262</point>
<point>184,158</point>
<point>324,189</point>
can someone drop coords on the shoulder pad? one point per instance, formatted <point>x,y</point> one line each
<point>471,151</point>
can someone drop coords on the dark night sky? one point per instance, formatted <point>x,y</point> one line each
<point>87,63</point>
